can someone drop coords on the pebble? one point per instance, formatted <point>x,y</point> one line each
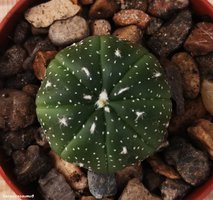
<point>72,173</point>
<point>43,15</point>
<point>207,95</point>
<point>86,2</point>
<point>174,189</point>
<point>30,164</point>
<point>192,164</point>
<point>205,65</point>
<point>101,185</point>
<point>135,4</point>
<point>131,17</point>
<point>189,73</point>
<point>193,110</point>
<point>102,9</point>
<point>67,31</point>
<point>136,190</point>
<point>39,31</point>
<point>202,132</point>
<point>101,27</point>
<point>171,35</point>
<point>54,186</point>
<point>164,8</point>
<point>21,32</point>
<point>12,61</point>
<point>130,33</point>
<point>200,40</point>
<point>154,25</point>
<point>125,175</point>
<point>17,110</point>
<point>31,90</point>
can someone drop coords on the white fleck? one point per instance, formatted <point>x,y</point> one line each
<point>87,97</point>
<point>139,115</point>
<point>106,109</point>
<point>124,150</point>
<point>92,128</point>
<point>103,99</point>
<point>86,71</point>
<point>48,84</point>
<point>123,90</point>
<point>63,121</point>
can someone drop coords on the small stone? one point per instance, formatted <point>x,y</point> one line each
<point>39,31</point>
<point>88,198</point>
<point>154,25</point>
<point>152,180</point>
<point>68,31</point>
<point>189,73</point>
<point>207,95</point>
<point>101,27</point>
<point>41,61</point>
<point>17,110</point>
<point>31,164</point>
<point>135,4</point>
<point>31,43</point>
<point>130,33</point>
<point>171,35</point>
<point>41,140</point>
<point>164,8</point>
<point>21,32</point>
<point>131,17</point>
<point>174,189</point>
<point>200,40</point>
<point>101,185</point>
<point>125,175</point>
<point>31,89</point>
<point>86,2</point>
<point>12,61</point>
<point>205,65</point>
<point>193,110</point>
<point>202,132</point>
<point>21,79</point>
<point>192,164</point>
<point>72,173</point>
<point>162,168</point>
<point>102,9</point>
<point>43,15</point>
<point>54,186</point>
<point>17,140</point>
<point>135,190</point>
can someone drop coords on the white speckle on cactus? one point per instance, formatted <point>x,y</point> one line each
<point>87,97</point>
<point>48,84</point>
<point>139,115</point>
<point>122,90</point>
<point>107,109</point>
<point>124,150</point>
<point>156,74</point>
<point>103,99</point>
<point>63,121</point>
<point>118,53</point>
<point>92,128</point>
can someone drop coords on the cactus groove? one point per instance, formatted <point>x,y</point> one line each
<point>104,104</point>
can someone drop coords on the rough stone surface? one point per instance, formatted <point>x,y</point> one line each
<point>200,40</point>
<point>171,35</point>
<point>174,189</point>
<point>31,89</point>
<point>102,9</point>
<point>54,186</point>
<point>68,31</point>
<point>131,17</point>
<point>21,32</point>
<point>30,164</point>
<point>154,25</point>
<point>17,110</point>
<point>43,15</point>
<point>130,33</point>
<point>101,185</point>
<point>135,4</point>
<point>205,65</point>
<point>101,27</point>
<point>12,61</point>
<point>202,132</point>
<point>163,8</point>
<point>125,175</point>
<point>192,164</point>
<point>207,95</point>
<point>189,73</point>
<point>135,190</point>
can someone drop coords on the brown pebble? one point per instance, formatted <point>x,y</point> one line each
<point>102,9</point>
<point>130,33</point>
<point>131,17</point>
<point>154,25</point>
<point>88,198</point>
<point>101,27</point>
<point>135,4</point>
<point>202,132</point>
<point>86,2</point>
<point>200,40</point>
<point>21,32</point>
<point>189,73</point>
<point>31,89</point>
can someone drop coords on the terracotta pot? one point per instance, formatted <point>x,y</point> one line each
<point>203,7</point>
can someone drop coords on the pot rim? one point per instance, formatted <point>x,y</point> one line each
<point>202,7</point>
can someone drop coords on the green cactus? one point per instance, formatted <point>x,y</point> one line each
<point>104,104</point>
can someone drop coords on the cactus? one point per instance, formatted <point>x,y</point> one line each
<point>104,104</point>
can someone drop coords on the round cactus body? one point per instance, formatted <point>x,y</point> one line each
<point>104,104</point>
